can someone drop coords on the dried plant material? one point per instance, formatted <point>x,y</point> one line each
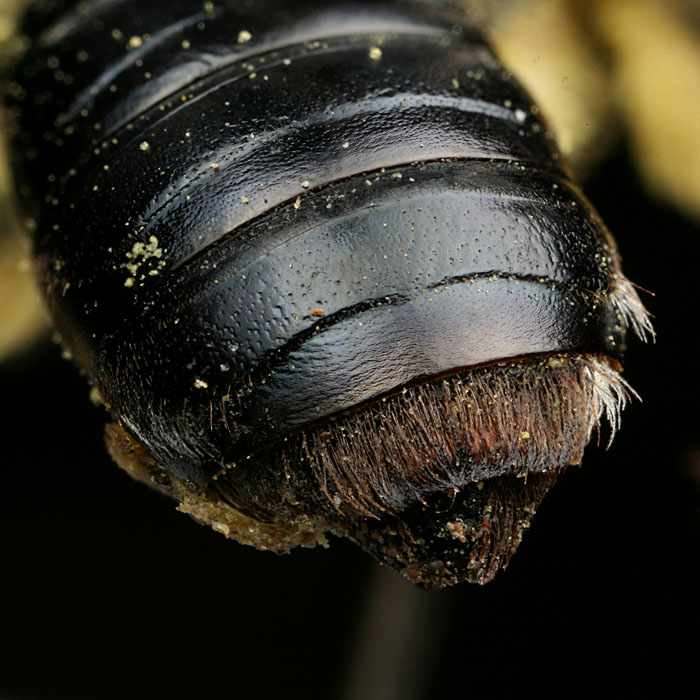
<point>21,314</point>
<point>656,57</point>
<point>549,48</point>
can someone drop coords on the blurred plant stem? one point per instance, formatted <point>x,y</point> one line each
<point>398,638</point>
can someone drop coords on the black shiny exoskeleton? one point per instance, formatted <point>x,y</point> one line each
<point>257,219</point>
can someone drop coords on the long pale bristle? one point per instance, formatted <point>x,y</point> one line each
<point>628,304</point>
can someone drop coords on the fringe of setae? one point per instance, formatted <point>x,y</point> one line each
<point>516,418</point>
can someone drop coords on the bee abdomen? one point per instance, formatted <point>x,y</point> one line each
<point>256,221</point>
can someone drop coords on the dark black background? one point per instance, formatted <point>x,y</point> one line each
<point>107,592</point>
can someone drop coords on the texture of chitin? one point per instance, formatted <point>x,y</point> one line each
<point>324,265</point>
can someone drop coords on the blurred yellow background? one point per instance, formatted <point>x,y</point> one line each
<point>21,316</point>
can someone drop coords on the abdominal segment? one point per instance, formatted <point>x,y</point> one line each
<point>438,480</point>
